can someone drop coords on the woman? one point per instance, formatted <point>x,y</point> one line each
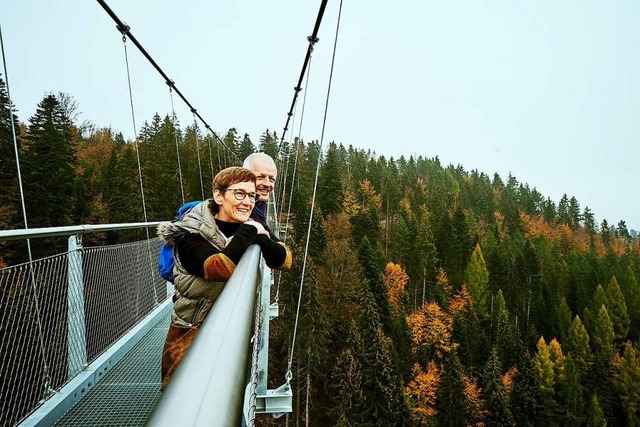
<point>208,244</point>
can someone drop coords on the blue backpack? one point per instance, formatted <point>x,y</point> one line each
<point>165,259</point>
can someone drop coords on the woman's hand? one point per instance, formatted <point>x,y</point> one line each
<point>258,226</point>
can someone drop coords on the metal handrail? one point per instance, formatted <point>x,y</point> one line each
<point>206,388</point>
<point>32,233</point>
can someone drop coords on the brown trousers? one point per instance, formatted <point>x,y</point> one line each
<point>178,341</point>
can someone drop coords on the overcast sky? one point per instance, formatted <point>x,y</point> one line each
<point>548,90</point>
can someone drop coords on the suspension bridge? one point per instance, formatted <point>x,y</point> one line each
<point>81,341</point>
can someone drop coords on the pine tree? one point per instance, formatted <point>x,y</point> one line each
<point>627,383</point>
<point>598,299</point>
<point>476,277</point>
<point>601,376</point>
<point>246,147</point>
<point>571,394</point>
<point>385,406</point>
<point>526,398</point>
<point>563,324</point>
<point>617,311</point>
<point>330,193</point>
<point>346,379</point>
<point>451,398</point>
<point>547,374</point>
<point>268,144</point>
<point>577,344</point>
<point>49,171</point>
<point>603,334</point>
<point>631,292</point>
<point>595,417</point>
<point>10,215</point>
<point>497,399</point>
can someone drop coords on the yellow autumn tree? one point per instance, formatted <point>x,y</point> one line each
<point>431,327</point>
<point>422,392</point>
<point>395,278</point>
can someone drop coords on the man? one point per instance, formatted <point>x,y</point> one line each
<point>264,168</point>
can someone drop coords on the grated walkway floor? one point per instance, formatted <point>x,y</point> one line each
<point>127,394</point>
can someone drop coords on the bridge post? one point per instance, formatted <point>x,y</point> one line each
<point>76,331</point>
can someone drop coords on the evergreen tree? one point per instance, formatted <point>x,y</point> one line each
<point>350,397</point>
<point>631,292</point>
<point>451,398</point>
<point>10,215</point>
<point>385,406</point>
<point>268,144</point>
<point>571,394</point>
<point>246,147</point>
<point>595,417</point>
<point>547,374</point>
<point>527,401</point>
<point>627,383</point>
<point>577,344</point>
<point>563,324</point>
<point>598,299</point>
<point>496,397</point>
<point>330,193</point>
<point>602,375</point>
<point>603,334</point>
<point>49,171</point>
<point>476,277</point>
<point>617,311</point>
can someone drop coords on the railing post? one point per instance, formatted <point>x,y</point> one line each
<point>278,401</point>
<point>76,333</point>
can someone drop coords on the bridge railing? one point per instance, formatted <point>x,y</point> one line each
<point>58,314</point>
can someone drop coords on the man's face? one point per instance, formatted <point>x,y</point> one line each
<point>265,172</point>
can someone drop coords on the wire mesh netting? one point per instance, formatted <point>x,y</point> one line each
<point>58,314</point>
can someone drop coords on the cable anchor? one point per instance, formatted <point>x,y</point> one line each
<point>124,30</point>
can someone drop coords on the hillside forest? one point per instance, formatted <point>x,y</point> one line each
<point>433,295</point>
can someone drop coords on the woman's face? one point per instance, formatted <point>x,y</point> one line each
<point>230,208</point>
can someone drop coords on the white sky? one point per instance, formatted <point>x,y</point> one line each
<point>547,90</point>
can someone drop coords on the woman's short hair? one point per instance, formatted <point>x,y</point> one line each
<point>229,176</point>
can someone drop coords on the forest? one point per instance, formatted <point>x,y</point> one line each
<point>433,295</point>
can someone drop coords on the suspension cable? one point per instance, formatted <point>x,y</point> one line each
<point>126,32</point>
<point>195,132</point>
<point>175,134</point>
<point>47,376</point>
<point>295,162</point>
<point>313,39</point>
<point>293,176</point>
<point>289,375</point>
<point>135,131</point>
<point>137,145</point>
<point>210,154</point>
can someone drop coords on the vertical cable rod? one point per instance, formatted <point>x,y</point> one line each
<point>47,376</point>
<point>289,375</point>
<point>175,134</point>
<point>195,132</point>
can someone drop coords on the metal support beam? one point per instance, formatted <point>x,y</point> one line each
<point>76,332</point>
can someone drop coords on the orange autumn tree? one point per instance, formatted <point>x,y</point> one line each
<point>431,329</point>
<point>422,392</point>
<point>395,278</point>
<point>473,400</point>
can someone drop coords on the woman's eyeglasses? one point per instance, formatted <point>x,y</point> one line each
<point>240,194</point>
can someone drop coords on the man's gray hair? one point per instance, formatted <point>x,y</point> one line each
<point>248,162</point>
